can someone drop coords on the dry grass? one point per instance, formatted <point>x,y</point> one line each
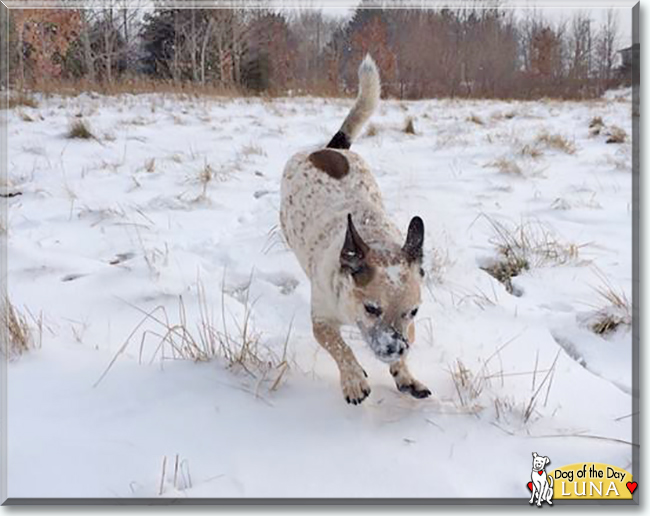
<point>211,336</point>
<point>555,141</point>
<point>596,125</point>
<point>506,269</point>
<point>409,126</point>
<point>178,477</point>
<point>596,121</point>
<point>150,165</point>
<point>507,166</point>
<point>616,135</point>
<point>475,119</point>
<point>21,99</point>
<point>25,117</point>
<point>535,397</point>
<point>79,129</point>
<point>205,177</point>
<point>137,85</point>
<point>468,385</point>
<point>524,246</point>
<point>530,151</point>
<point>615,312</point>
<point>252,150</point>
<point>372,130</point>
<point>472,386</point>
<point>19,332</point>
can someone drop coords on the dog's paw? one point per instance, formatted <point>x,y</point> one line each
<point>355,388</point>
<point>415,389</point>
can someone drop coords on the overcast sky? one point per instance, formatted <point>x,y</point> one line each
<point>595,8</point>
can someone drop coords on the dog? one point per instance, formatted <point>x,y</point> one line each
<point>362,271</point>
<point>542,483</point>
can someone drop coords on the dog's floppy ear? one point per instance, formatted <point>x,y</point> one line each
<point>414,240</point>
<point>547,460</point>
<point>354,250</point>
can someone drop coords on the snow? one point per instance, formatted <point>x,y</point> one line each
<point>175,205</point>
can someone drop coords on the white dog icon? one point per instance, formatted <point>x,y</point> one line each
<point>542,483</point>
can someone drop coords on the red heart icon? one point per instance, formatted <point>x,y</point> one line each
<point>631,486</point>
<point>530,486</point>
<point>540,472</point>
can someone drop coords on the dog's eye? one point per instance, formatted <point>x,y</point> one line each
<point>410,314</point>
<point>373,310</point>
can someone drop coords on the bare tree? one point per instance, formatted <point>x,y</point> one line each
<point>607,39</point>
<point>580,40</point>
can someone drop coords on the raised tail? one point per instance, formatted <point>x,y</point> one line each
<point>366,103</point>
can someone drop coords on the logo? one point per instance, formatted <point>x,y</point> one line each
<point>541,484</point>
<point>581,481</point>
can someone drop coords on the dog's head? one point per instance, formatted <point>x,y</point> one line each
<point>384,294</point>
<point>539,462</point>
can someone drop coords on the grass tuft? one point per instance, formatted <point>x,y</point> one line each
<point>523,247</point>
<point>475,119</point>
<point>373,130</point>
<point>210,336</point>
<point>80,130</point>
<point>555,141</point>
<point>409,127</point>
<point>615,312</point>
<point>507,166</point>
<point>531,151</point>
<point>150,165</point>
<point>25,117</point>
<point>252,150</point>
<point>595,122</point>
<point>19,332</point>
<point>616,135</point>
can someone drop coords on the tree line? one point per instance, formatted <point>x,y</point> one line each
<point>422,53</point>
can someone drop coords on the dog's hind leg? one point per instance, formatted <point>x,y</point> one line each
<point>353,378</point>
<point>405,381</point>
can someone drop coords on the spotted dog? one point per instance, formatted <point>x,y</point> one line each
<point>362,271</point>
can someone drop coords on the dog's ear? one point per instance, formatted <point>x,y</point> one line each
<point>353,254</point>
<point>414,241</point>
<point>534,455</point>
<point>547,460</point>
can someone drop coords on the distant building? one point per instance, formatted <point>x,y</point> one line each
<point>630,61</point>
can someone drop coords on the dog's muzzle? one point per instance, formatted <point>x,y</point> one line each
<point>387,343</point>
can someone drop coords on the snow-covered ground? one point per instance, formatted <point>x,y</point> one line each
<point>174,205</point>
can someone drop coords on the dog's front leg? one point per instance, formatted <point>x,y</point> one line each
<point>540,494</point>
<point>532,496</point>
<point>405,381</point>
<point>353,377</point>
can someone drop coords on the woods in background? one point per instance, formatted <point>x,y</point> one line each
<point>423,53</point>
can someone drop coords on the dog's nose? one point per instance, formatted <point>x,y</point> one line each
<point>390,349</point>
<point>398,336</point>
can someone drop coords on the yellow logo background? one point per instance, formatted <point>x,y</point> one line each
<point>590,481</point>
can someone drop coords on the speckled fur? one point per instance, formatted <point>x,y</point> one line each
<point>313,216</point>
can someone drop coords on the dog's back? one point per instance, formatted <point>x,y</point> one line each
<point>320,188</point>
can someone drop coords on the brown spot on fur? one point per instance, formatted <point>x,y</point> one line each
<point>333,163</point>
<point>411,333</point>
<point>363,276</point>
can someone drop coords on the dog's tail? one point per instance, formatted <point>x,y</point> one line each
<point>366,103</point>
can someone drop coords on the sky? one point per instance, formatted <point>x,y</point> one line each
<point>596,9</point>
